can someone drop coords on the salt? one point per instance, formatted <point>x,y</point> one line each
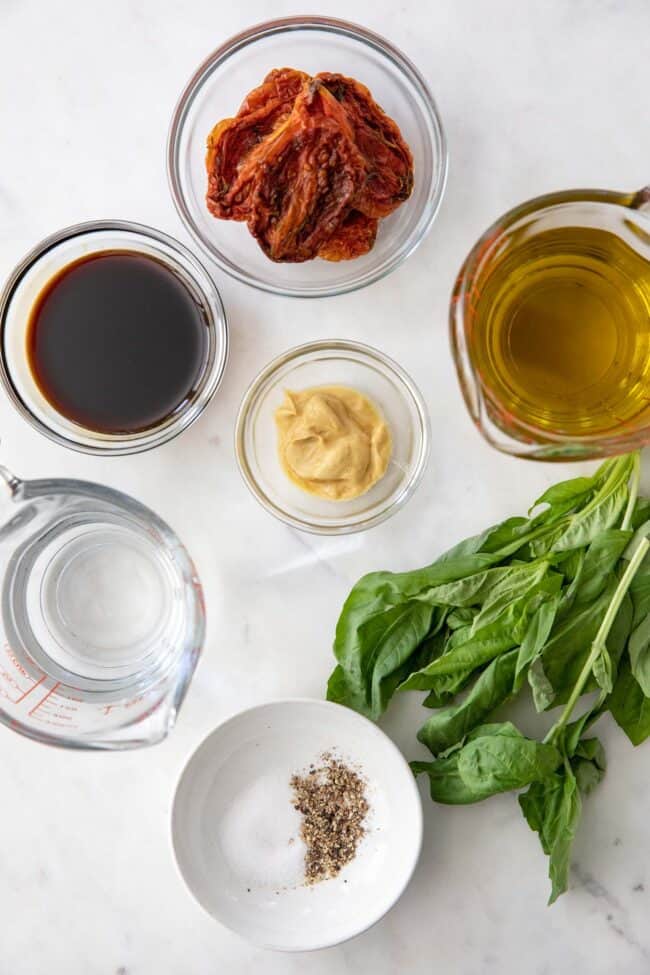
<point>259,835</point>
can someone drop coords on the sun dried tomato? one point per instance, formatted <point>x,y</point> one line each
<point>310,164</point>
<point>233,139</point>
<point>308,175</point>
<point>388,158</point>
<point>353,237</point>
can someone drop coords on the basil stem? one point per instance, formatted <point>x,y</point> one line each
<point>599,644</point>
<point>634,491</point>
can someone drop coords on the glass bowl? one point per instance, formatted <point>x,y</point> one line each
<point>311,44</point>
<point>329,363</point>
<point>28,280</point>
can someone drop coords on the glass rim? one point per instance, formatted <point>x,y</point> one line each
<point>216,358</point>
<point>285,25</point>
<point>530,441</point>
<point>366,352</point>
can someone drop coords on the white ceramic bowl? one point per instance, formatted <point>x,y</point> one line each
<point>232,823</point>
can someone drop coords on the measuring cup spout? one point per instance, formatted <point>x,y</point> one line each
<point>10,479</point>
<point>641,200</point>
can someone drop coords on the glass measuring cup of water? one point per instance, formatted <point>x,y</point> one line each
<point>102,617</point>
<point>550,326</point>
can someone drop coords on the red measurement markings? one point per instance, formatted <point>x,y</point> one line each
<point>44,699</point>
<point>29,690</point>
<point>107,708</point>
<point>57,724</point>
<point>65,695</point>
<point>10,679</point>
<point>16,662</point>
<point>33,684</point>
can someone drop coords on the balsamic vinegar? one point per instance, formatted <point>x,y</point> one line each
<point>117,342</point>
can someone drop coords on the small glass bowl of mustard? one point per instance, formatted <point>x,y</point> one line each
<point>326,365</point>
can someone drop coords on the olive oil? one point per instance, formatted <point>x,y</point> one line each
<point>560,332</point>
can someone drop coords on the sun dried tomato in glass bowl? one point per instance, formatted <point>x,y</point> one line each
<point>362,246</point>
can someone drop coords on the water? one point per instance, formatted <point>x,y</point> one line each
<point>93,601</point>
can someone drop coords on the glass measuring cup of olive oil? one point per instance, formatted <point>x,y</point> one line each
<point>550,326</point>
<point>101,616</point>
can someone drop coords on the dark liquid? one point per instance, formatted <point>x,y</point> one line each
<point>116,342</point>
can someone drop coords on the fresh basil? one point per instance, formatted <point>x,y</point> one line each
<point>492,689</point>
<point>629,706</point>
<point>537,633</point>
<point>496,758</point>
<point>555,605</point>
<point>589,764</point>
<point>552,809</point>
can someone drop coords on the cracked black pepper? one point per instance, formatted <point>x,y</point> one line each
<point>331,799</point>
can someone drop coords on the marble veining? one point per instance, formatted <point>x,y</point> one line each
<point>534,98</point>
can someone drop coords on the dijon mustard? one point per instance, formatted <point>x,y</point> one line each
<point>333,441</point>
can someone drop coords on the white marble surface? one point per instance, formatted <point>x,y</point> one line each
<point>534,97</point>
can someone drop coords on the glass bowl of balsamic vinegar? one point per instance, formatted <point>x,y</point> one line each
<point>113,337</point>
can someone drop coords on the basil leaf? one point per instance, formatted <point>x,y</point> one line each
<point>640,592</point>
<point>603,671</point>
<point>446,689</point>
<point>574,566</point>
<point>541,687</point>
<point>569,645</point>
<point>445,783</point>
<point>641,512</point>
<point>642,531</point>
<point>573,733</point>
<point>629,705</point>
<point>504,760</point>
<point>492,688</point>
<point>552,809</point>
<point>537,633</point>
<point>602,510</point>
<point>525,581</point>
<point>600,560</point>
<point>589,764</point>
<point>574,490</point>
<point>469,649</point>
<point>387,615</point>
<point>460,617</point>
<point>456,666</point>
<point>372,607</point>
<point>639,650</point>
<point>494,587</point>
<point>496,758</point>
<point>337,689</point>
<point>639,642</point>
<point>371,660</point>
<point>394,650</point>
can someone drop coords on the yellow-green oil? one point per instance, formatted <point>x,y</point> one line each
<point>560,332</point>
